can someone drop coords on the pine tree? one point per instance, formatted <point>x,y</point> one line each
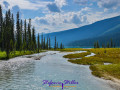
<point>33,38</point>
<point>111,44</point>
<point>25,31</point>
<point>12,29</point>
<point>29,34</point>
<point>21,33</point>
<point>55,43</point>
<point>108,46</point>
<point>25,36</point>
<point>49,44</point>
<point>61,46</point>
<point>11,45</point>
<point>7,32</point>
<point>18,32</point>
<point>42,41</point>
<point>38,43</point>
<point>1,30</point>
<point>98,45</point>
<point>44,44</point>
<point>95,45</point>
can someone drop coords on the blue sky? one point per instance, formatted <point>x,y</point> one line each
<point>58,15</point>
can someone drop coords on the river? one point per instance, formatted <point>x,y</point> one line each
<point>22,73</point>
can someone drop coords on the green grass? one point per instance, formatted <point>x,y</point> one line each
<point>3,55</point>
<point>106,70</point>
<point>77,55</point>
<point>108,55</point>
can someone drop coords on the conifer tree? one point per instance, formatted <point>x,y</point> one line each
<point>55,43</point>
<point>42,41</point>
<point>29,34</point>
<point>38,43</point>
<point>21,32</point>
<point>98,45</point>
<point>61,46</point>
<point>33,38</point>
<point>95,45</point>
<point>7,32</point>
<point>108,46</point>
<point>111,43</point>
<point>12,29</point>
<point>1,29</point>
<point>49,44</point>
<point>25,31</point>
<point>44,44</point>
<point>18,36</point>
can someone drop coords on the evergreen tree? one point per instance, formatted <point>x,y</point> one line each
<point>33,38</point>
<point>21,32</point>
<point>18,36</point>
<point>11,45</point>
<point>95,45</point>
<point>25,36</point>
<point>108,46</point>
<point>111,43</point>
<point>12,29</point>
<point>1,30</point>
<point>61,46</point>
<point>44,44</point>
<point>38,43</point>
<point>42,41</point>
<point>7,32</point>
<point>25,31</point>
<point>55,43</point>
<point>49,44</point>
<point>98,45</point>
<point>29,34</point>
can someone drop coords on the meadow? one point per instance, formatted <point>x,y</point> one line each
<point>13,54</point>
<point>97,62</point>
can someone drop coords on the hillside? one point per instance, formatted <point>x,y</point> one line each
<point>86,35</point>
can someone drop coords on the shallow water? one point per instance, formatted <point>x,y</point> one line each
<point>27,74</point>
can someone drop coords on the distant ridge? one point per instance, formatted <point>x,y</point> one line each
<point>102,31</point>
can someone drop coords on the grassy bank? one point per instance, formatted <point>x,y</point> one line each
<point>3,55</point>
<point>108,55</point>
<point>78,55</point>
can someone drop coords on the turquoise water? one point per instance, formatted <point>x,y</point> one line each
<point>27,74</point>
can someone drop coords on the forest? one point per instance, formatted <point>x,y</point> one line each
<point>20,36</point>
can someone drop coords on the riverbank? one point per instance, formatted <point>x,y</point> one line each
<point>24,72</point>
<point>3,55</point>
<point>111,56</point>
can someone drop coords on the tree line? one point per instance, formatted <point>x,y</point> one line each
<point>21,36</point>
<point>110,44</point>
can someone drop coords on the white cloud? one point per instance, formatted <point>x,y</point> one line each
<point>109,3</point>
<point>25,4</point>
<point>60,21</point>
<point>61,3</point>
<point>64,21</point>
<point>56,6</point>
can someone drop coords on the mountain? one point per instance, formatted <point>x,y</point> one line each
<point>102,31</point>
